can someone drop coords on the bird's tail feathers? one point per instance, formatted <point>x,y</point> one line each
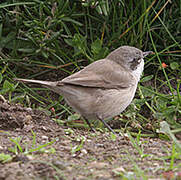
<point>46,83</point>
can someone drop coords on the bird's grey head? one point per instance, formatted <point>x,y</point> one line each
<point>128,57</point>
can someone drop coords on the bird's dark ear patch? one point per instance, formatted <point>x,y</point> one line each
<point>134,63</point>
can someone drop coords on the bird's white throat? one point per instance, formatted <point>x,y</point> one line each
<point>137,73</point>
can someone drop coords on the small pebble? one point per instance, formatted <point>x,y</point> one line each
<point>44,137</point>
<point>84,151</point>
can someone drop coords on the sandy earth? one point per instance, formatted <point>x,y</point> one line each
<point>76,154</point>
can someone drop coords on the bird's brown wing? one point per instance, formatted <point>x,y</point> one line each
<point>103,74</point>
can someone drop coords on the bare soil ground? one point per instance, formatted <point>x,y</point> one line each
<point>99,156</point>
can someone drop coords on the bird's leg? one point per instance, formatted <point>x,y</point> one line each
<point>88,123</point>
<point>106,125</point>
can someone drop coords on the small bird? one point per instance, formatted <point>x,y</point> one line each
<point>104,88</point>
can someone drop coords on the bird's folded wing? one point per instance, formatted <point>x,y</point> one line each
<point>102,74</point>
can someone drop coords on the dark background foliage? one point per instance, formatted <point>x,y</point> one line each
<point>50,39</point>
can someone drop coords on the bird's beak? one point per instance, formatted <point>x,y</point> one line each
<point>147,53</point>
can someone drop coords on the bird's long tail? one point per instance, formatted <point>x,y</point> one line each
<point>46,83</point>
<point>54,86</point>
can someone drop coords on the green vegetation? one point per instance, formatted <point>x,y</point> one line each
<point>49,39</point>
<point>18,148</point>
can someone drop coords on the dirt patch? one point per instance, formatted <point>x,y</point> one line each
<point>76,153</point>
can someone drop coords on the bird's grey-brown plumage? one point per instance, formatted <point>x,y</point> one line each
<point>104,88</point>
